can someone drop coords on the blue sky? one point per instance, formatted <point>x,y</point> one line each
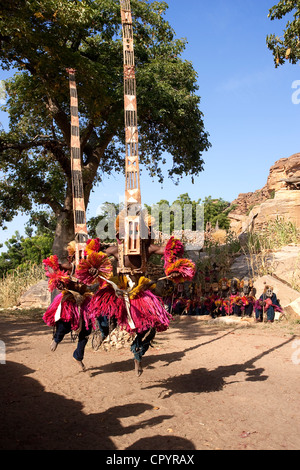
<point>247,103</point>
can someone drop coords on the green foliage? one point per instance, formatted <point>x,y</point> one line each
<point>215,211</point>
<point>109,212</point>
<point>24,251</point>
<point>171,215</point>
<point>286,47</point>
<point>41,40</point>
<point>34,248</point>
<point>41,222</point>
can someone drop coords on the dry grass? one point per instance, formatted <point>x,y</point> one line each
<point>14,284</point>
<point>219,236</point>
<point>276,234</point>
<point>295,281</point>
<point>257,248</point>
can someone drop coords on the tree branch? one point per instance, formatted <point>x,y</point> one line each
<point>59,117</point>
<point>54,146</point>
<point>38,141</point>
<point>86,134</point>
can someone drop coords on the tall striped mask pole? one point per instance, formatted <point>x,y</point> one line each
<point>80,227</point>
<point>132,228</point>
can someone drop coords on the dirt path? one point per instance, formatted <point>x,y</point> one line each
<point>204,386</point>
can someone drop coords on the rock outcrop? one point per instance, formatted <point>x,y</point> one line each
<point>277,199</point>
<point>37,296</point>
<point>285,276</point>
<point>285,204</point>
<point>282,170</point>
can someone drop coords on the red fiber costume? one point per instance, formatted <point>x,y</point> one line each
<point>146,310</point>
<point>65,308</point>
<point>71,304</point>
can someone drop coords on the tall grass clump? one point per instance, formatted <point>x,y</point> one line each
<point>279,233</point>
<point>295,281</point>
<point>15,283</point>
<point>275,235</point>
<point>220,250</point>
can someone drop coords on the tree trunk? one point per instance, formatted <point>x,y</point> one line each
<point>64,233</point>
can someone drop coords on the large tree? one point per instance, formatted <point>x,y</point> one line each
<point>41,38</point>
<point>286,47</point>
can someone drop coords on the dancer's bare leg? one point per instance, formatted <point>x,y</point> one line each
<point>53,346</point>
<point>138,367</point>
<point>80,363</point>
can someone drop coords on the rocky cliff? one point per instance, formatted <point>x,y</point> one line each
<point>280,197</point>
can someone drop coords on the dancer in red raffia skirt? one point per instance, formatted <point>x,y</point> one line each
<point>137,310</point>
<point>69,309</point>
<point>133,305</point>
<point>146,309</point>
<point>130,298</point>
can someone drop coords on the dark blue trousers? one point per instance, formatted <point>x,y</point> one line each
<point>142,342</point>
<point>106,325</point>
<point>63,328</point>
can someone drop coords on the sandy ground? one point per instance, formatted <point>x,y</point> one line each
<point>204,387</point>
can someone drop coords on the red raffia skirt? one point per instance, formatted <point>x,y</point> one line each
<point>69,311</point>
<point>147,310</point>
